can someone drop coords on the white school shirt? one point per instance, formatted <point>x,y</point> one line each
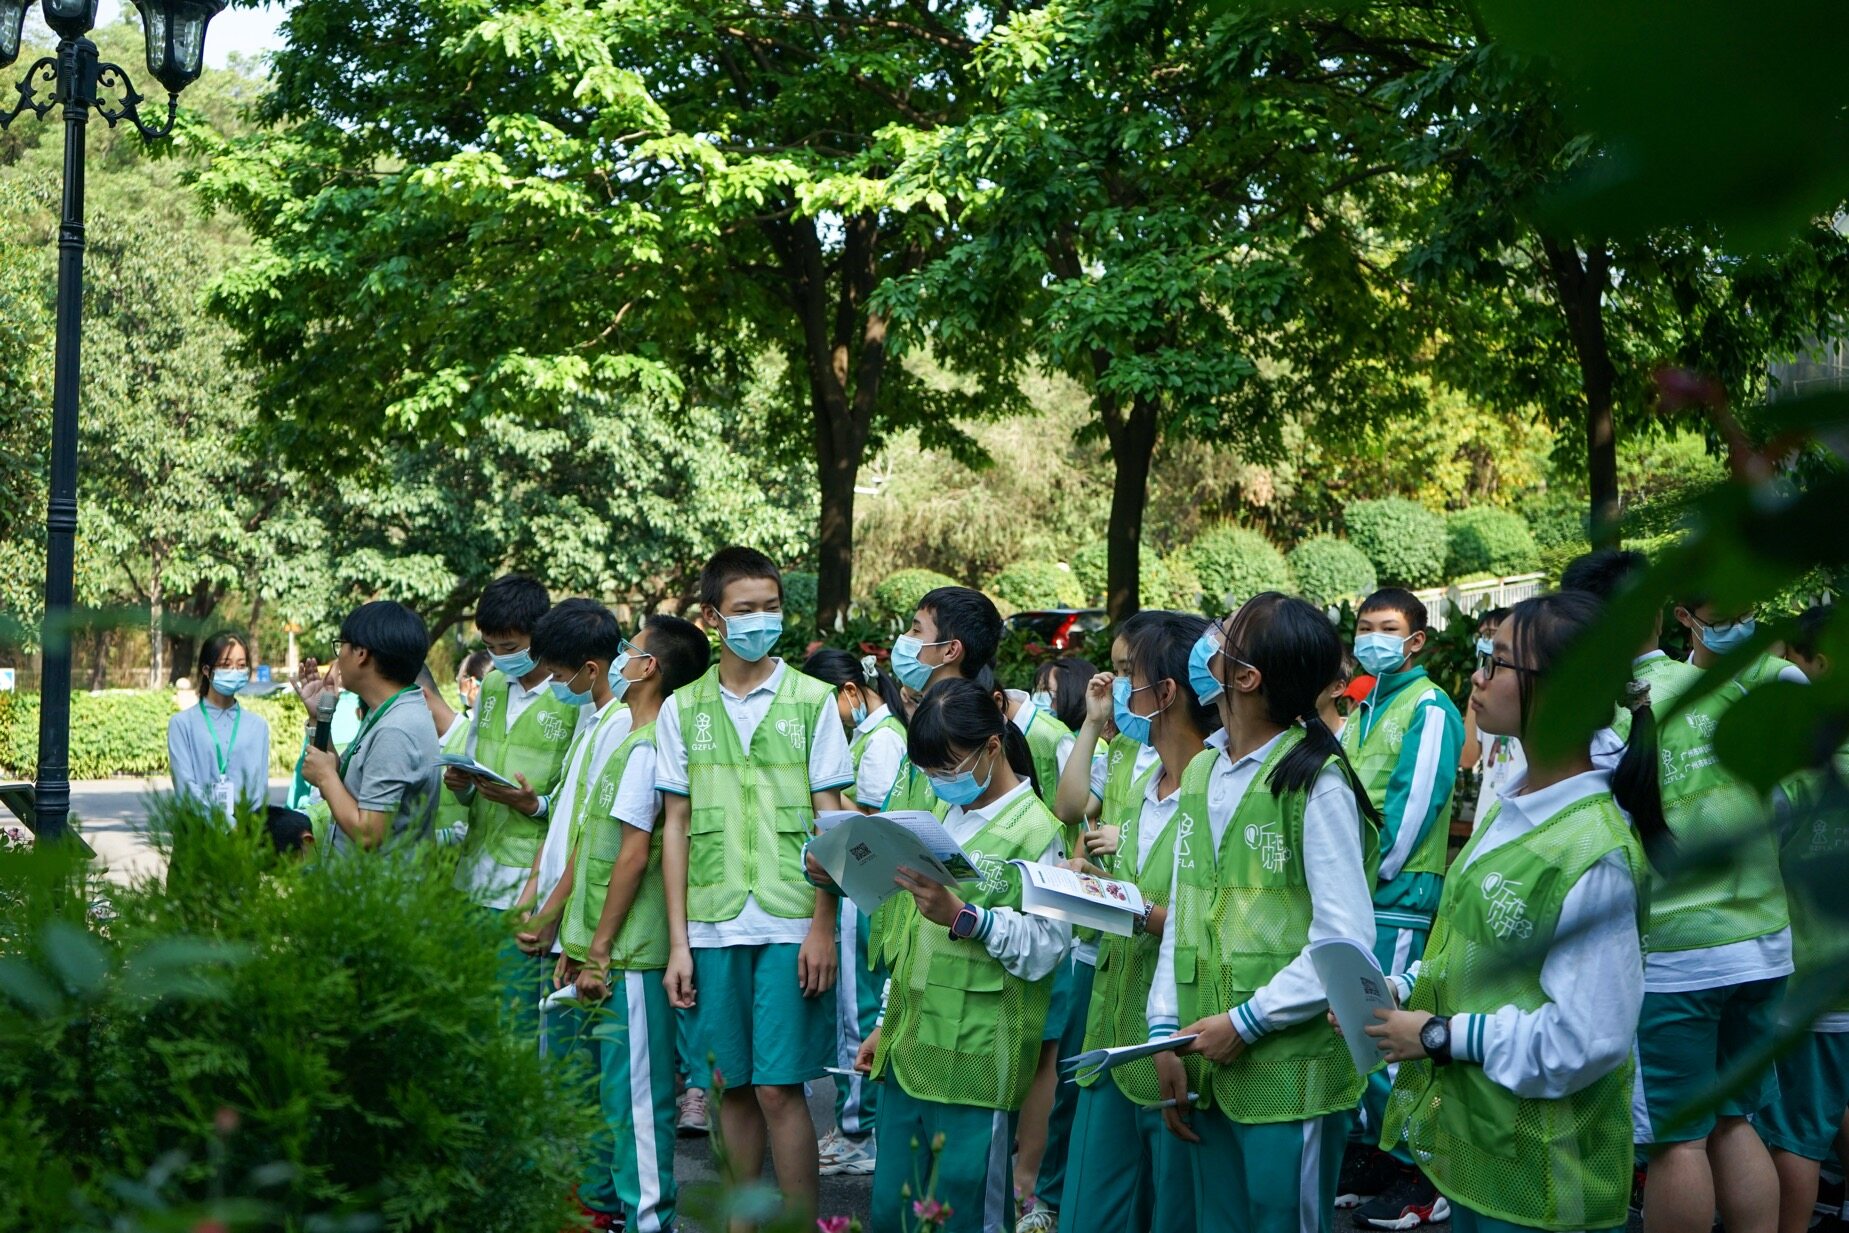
<point>1085,950</point>
<point>1030,947</point>
<point>1024,719</point>
<point>830,769</point>
<point>1502,763</point>
<point>636,804</point>
<point>879,761</point>
<point>590,749</point>
<point>1593,975</point>
<point>490,884</point>
<point>1341,900</point>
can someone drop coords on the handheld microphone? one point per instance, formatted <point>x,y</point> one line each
<point>324,719</point>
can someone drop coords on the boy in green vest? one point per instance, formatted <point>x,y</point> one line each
<point>522,731</point>
<point>1403,740</point>
<point>747,756</point>
<point>609,906</point>
<point>954,633</point>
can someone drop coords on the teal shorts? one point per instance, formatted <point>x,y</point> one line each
<point>1813,1091</point>
<point>1686,1040</point>
<point>1059,1008</point>
<point>751,1020</point>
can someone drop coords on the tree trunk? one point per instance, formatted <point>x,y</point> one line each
<point>99,658</point>
<point>157,617</point>
<point>255,649</point>
<point>1579,284</point>
<point>1133,446</point>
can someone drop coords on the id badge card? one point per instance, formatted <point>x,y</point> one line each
<point>224,799</point>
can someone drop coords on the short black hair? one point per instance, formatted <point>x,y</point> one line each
<point>577,630</point>
<point>1604,572</point>
<point>1807,629</point>
<point>393,634</point>
<point>475,664</point>
<point>1396,599</point>
<point>728,565</point>
<point>680,649</point>
<point>289,829</point>
<point>967,616</point>
<point>511,604</point>
<point>1492,616</point>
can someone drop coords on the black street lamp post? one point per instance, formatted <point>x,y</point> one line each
<point>74,77</point>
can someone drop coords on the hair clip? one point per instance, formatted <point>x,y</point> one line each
<point>1636,695</point>
<point>870,667</point>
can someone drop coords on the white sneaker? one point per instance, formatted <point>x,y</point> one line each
<point>829,1145</point>
<point>693,1112</point>
<point>854,1158</point>
<point>1042,1219</point>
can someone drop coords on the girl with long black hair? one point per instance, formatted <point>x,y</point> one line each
<point>1275,849</point>
<point>1515,1082</point>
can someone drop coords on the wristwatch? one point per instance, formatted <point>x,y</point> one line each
<point>963,927</point>
<point>1435,1039</point>
<point>1139,923</point>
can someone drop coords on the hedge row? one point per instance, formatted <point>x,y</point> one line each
<point>124,732</point>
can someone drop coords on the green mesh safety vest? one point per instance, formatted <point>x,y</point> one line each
<point>1819,943</point>
<point>857,749</point>
<point>1667,679</point>
<point>534,746</point>
<point>1241,915</point>
<point>1127,966</point>
<point>1044,735</point>
<point>1377,755</point>
<point>1716,901</point>
<point>1554,1164</point>
<point>959,1027</point>
<point>752,812</point>
<point>450,810</point>
<point>1760,671</point>
<point>642,943</point>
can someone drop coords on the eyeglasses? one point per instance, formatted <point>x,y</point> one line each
<point>1751,614</point>
<point>1487,665</point>
<point>633,651</point>
<point>1216,637</point>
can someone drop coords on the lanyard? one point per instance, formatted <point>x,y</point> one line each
<point>222,753</point>
<point>372,717</point>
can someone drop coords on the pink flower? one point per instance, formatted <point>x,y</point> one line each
<point>931,1211</point>
<point>225,1121</point>
<point>835,1224</point>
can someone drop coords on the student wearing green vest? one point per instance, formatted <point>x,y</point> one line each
<point>747,756</point>
<point>1123,1170</point>
<point>1403,740</point>
<point>609,905</point>
<point>520,730</point>
<point>954,633</point>
<point>867,701</point>
<point>1275,846</point>
<point>1049,742</point>
<point>453,735</point>
<point>1713,633</point>
<point>1514,1044</point>
<point>1802,1126</point>
<point>971,977</point>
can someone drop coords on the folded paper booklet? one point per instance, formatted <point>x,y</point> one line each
<point>1353,982</point>
<point>1079,898</point>
<point>564,993</point>
<point>1089,1065</point>
<point>470,766</point>
<point>861,853</point>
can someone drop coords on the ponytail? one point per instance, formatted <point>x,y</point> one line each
<point>1635,783</point>
<point>1298,769</point>
<point>1020,757</point>
<point>838,667</point>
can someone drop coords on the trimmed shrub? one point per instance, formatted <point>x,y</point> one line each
<point>896,598</point>
<point>1232,561</point>
<point>1330,570</point>
<point>1405,541</point>
<point>800,589</point>
<point>1037,584</point>
<point>1167,581</point>
<point>1487,540</point>
<point>124,732</point>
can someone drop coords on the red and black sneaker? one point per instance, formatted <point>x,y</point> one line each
<point>1367,1172</point>
<point>1410,1202</point>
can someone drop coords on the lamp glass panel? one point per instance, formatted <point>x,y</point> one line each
<point>156,19</point>
<point>189,39</point>
<point>12,19</point>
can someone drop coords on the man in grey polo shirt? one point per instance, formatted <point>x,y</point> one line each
<point>383,791</point>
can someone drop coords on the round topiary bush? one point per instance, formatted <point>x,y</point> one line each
<point>1091,566</point>
<point>1330,570</point>
<point>800,590</point>
<point>1487,540</point>
<point>896,598</point>
<point>1405,541</point>
<point>1167,581</point>
<point>1234,564</point>
<point>1037,584</point>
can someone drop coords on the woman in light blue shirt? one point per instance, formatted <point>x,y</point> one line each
<point>219,752</point>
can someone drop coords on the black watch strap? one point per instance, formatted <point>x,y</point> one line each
<point>1435,1036</point>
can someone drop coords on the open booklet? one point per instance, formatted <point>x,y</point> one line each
<point>470,766</point>
<point>1091,1064</point>
<point>1080,898</point>
<point>1353,982</point>
<point>861,852</point>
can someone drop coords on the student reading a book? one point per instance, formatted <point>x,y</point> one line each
<point>1514,1087</point>
<point>971,975</point>
<point>1276,844</point>
<point>1124,1171</point>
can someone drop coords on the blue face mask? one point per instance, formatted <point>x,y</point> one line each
<point>1724,637</point>
<point>962,788</point>
<point>905,663</point>
<point>230,681</point>
<point>513,666</point>
<point>1042,700</point>
<point>1380,653</point>
<point>858,713</point>
<point>1132,725</point>
<point>751,635</point>
<point>1206,686</point>
<point>1485,647</point>
<point>563,691</point>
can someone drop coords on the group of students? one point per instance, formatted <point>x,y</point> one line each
<point>1566,988</point>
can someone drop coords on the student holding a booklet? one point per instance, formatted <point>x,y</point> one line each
<point>1123,1171</point>
<point>971,974</point>
<point>1275,849</point>
<point>1515,1081</point>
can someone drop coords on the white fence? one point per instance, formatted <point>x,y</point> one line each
<point>1470,598</point>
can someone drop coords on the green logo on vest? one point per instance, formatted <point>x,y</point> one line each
<point>1508,911</point>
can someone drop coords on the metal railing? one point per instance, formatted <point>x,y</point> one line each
<point>1470,598</point>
